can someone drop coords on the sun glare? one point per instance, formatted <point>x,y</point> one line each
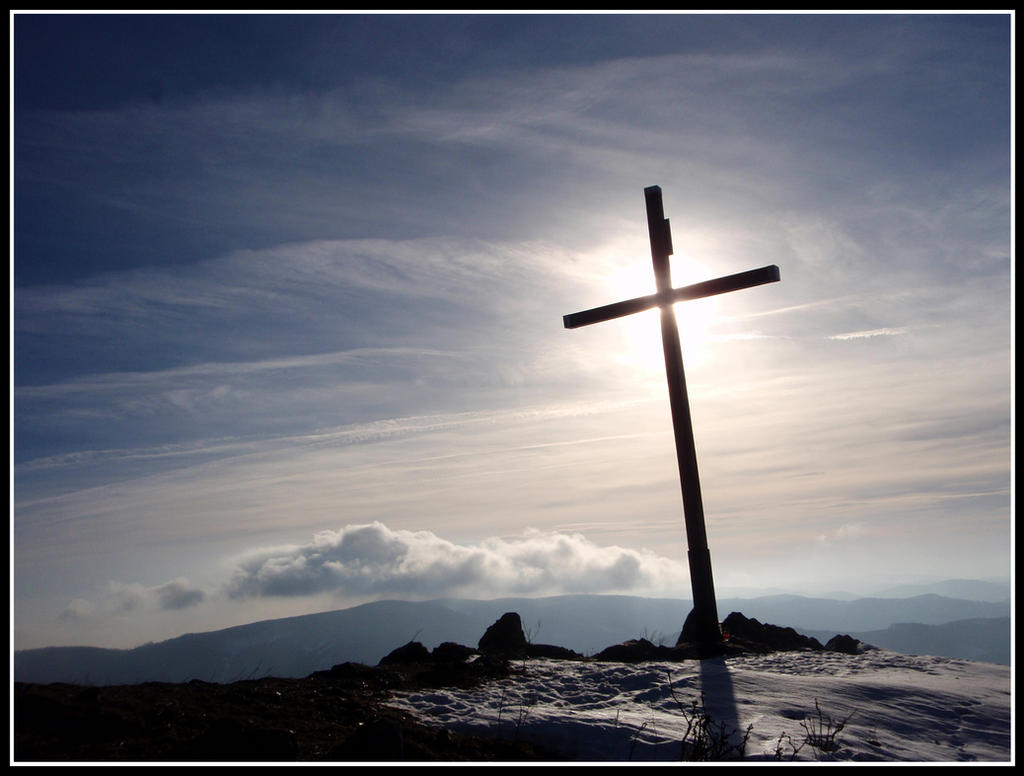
<point>642,330</point>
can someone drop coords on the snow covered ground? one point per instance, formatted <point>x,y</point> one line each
<point>896,707</point>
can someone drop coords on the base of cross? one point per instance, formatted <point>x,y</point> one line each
<point>701,626</point>
<point>700,629</point>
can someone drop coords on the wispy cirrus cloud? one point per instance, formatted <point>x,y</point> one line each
<point>275,341</point>
<point>850,335</point>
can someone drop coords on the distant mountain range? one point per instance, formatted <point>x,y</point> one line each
<point>967,589</point>
<point>970,589</point>
<point>297,646</point>
<point>984,640</point>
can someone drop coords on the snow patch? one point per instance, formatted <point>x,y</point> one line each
<point>896,707</point>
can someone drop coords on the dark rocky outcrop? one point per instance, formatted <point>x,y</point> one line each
<point>551,651</point>
<point>763,637</point>
<point>449,663</point>
<point>413,665</point>
<point>504,636</point>
<point>843,643</point>
<point>505,640</point>
<point>740,634</point>
<point>450,652</point>
<point>412,652</point>
<point>640,650</point>
<point>349,672</point>
<point>633,651</point>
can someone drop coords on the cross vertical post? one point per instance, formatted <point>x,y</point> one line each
<point>701,626</point>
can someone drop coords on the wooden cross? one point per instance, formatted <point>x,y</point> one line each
<point>701,626</point>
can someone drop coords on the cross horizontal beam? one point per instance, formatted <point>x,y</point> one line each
<point>740,280</point>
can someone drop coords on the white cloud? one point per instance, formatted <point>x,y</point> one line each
<point>372,559</point>
<point>362,562</point>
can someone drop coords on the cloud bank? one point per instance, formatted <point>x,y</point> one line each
<point>362,562</point>
<point>372,559</point>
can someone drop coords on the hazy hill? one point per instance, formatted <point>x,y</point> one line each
<point>862,614</point>
<point>969,589</point>
<point>590,623</point>
<point>984,640</point>
<point>288,647</point>
<point>297,646</point>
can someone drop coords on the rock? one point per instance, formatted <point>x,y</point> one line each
<point>413,652</point>
<point>462,673</point>
<point>632,651</point>
<point>552,652</point>
<point>506,635</point>
<point>750,632</point>
<point>843,643</point>
<point>357,675</point>
<point>450,652</point>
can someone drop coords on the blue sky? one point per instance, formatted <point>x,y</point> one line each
<point>288,294</point>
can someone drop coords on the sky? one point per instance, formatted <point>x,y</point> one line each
<point>287,299</point>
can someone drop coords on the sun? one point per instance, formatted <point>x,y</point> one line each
<point>642,331</point>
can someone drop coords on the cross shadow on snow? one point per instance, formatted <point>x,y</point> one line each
<point>716,686</point>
